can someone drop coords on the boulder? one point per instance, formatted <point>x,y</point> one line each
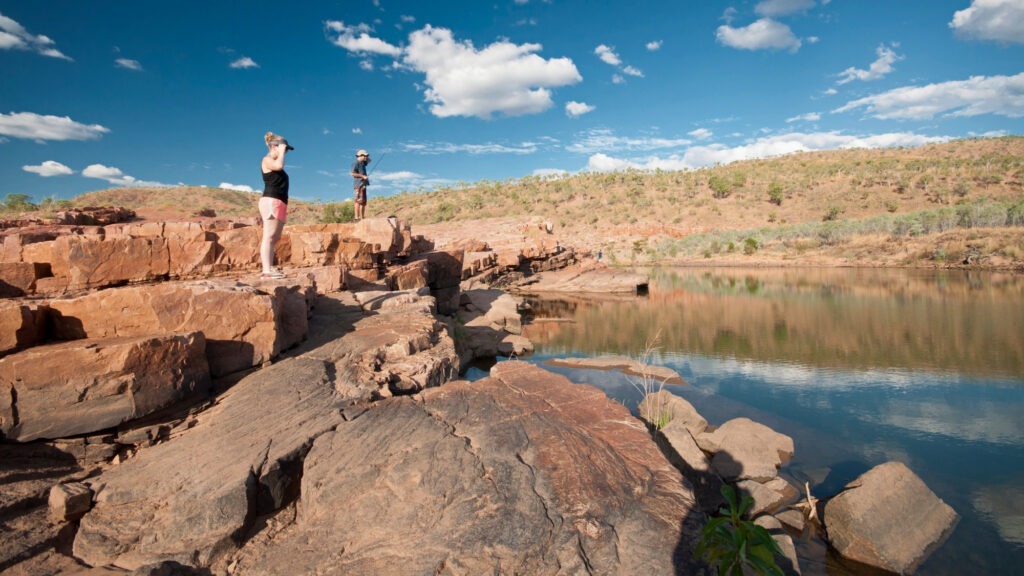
<point>677,443</point>
<point>657,375</point>
<point>744,449</point>
<point>662,407</point>
<point>408,277</point>
<point>76,387</point>
<point>888,518</point>
<point>522,472</point>
<point>68,502</point>
<point>789,563</point>
<point>242,324</point>
<point>19,278</point>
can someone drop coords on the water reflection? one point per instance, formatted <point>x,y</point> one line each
<point>858,366</point>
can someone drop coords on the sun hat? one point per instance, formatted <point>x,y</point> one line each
<point>362,153</point>
<point>282,141</point>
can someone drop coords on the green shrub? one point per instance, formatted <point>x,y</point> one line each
<point>720,187</point>
<point>750,245</point>
<point>833,213</point>
<point>338,212</point>
<point>775,193</point>
<point>734,545</point>
<point>18,203</point>
<point>445,212</point>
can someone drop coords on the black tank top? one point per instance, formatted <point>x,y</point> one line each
<point>275,185</point>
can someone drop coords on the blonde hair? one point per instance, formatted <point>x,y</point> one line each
<point>270,136</point>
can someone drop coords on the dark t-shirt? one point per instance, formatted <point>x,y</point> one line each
<point>358,167</point>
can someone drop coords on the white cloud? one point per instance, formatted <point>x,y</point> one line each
<point>999,95</point>
<point>551,172</point>
<point>701,133</point>
<point>244,62</point>
<point>878,69</point>
<point>996,20</point>
<point>226,186</point>
<point>602,140</point>
<point>402,176</point>
<point>128,64</point>
<point>357,130</point>
<point>576,109</point>
<point>15,36</point>
<point>632,71</point>
<point>618,79</point>
<point>769,146</point>
<point>357,39</point>
<point>654,45</point>
<point>765,34</point>
<point>49,168</point>
<point>607,55</point>
<point>773,8</point>
<point>38,127</point>
<point>436,148</point>
<point>501,78</point>
<point>809,117</point>
<point>115,176</point>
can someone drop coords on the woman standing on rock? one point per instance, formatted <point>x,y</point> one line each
<point>274,203</point>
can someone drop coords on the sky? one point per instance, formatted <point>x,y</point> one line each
<point>103,94</point>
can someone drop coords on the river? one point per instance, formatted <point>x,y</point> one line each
<point>858,366</point>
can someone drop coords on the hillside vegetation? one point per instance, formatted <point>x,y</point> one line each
<point>860,206</point>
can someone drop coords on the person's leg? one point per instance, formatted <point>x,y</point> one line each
<point>272,228</point>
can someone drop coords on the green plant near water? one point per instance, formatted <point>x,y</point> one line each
<point>338,212</point>
<point>733,544</point>
<point>656,410</point>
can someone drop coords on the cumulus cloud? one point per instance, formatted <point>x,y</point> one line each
<point>49,168</point>
<point>995,20</point>
<point>244,62</point>
<point>357,39</point>
<point>765,34</point>
<point>701,133</point>
<point>128,64</point>
<point>115,176</point>
<point>654,45</point>
<point>607,55</point>
<point>501,78</point>
<point>775,8</point>
<point>769,146</point>
<point>40,128</point>
<point>227,186</point>
<point>14,36</point>
<point>601,140</point>
<point>575,109</point>
<point>881,67</point>
<point>999,95</point>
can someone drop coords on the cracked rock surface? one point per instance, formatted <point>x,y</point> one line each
<point>521,472</point>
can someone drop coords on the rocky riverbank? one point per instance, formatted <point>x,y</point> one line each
<point>163,411</point>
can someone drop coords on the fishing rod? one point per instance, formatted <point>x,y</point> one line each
<point>375,164</point>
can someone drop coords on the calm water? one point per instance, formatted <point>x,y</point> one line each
<point>858,366</point>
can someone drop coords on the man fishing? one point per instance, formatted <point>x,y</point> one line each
<point>362,180</point>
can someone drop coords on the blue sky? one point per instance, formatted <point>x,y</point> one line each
<point>103,94</point>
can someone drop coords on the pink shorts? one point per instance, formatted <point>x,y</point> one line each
<point>273,208</point>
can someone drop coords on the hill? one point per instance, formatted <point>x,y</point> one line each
<point>873,207</point>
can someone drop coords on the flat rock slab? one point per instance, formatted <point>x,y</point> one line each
<point>82,386</point>
<point>522,472</point>
<point>657,374</point>
<point>888,518</point>
<point>661,408</point>
<point>593,280</point>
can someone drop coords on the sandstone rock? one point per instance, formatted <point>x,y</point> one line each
<point>239,248</point>
<point>327,278</point>
<point>491,308</point>
<point>91,262</point>
<point>888,518</point>
<point>663,407</point>
<point>21,325</point>
<point>88,385</point>
<point>19,278</point>
<point>766,500</point>
<point>657,374</point>
<point>408,277</point>
<point>587,280</point>
<point>744,449</point>
<point>242,324</point>
<point>515,345</point>
<point>522,472</point>
<point>789,563</point>
<point>677,442</point>
<point>794,519</point>
<point>68,502</point>
<point>187,499</point>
